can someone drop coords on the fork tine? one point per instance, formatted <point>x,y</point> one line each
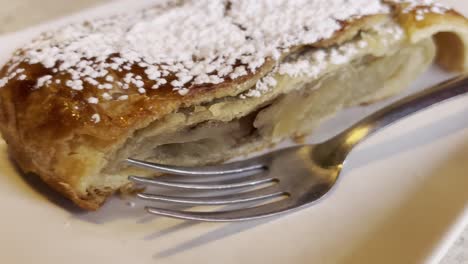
<point>219,185</point>
<point>251,166</point>
<point>228,216</point>
<point>244,197</point>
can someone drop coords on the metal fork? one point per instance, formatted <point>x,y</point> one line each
<point>284,180</point>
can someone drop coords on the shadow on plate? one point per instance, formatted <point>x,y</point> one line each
<point>39,187</point>
<point>224,231</point>
<point>113,210</point>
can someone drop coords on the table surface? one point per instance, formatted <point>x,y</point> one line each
<point>18,14</point>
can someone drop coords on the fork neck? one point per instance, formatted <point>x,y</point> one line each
<point>339,147</point>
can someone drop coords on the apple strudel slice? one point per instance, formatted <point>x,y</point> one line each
<point>194,82</point>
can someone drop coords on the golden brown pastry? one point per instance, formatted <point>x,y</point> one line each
<point>197,82</point>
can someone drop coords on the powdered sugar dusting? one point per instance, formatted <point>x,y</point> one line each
<point>181,44</point>
<point>188,43</point>
<point>263,86</point>
<point>3,82</point>
<point>44,80</point>
<point>93,100</point>
<point>96,118</point>
<point>422,7</point>
<point>313,63</point>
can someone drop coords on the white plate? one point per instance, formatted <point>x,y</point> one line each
<point>402,199</point>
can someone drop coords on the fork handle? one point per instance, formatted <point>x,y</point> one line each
<point>342,144</point>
